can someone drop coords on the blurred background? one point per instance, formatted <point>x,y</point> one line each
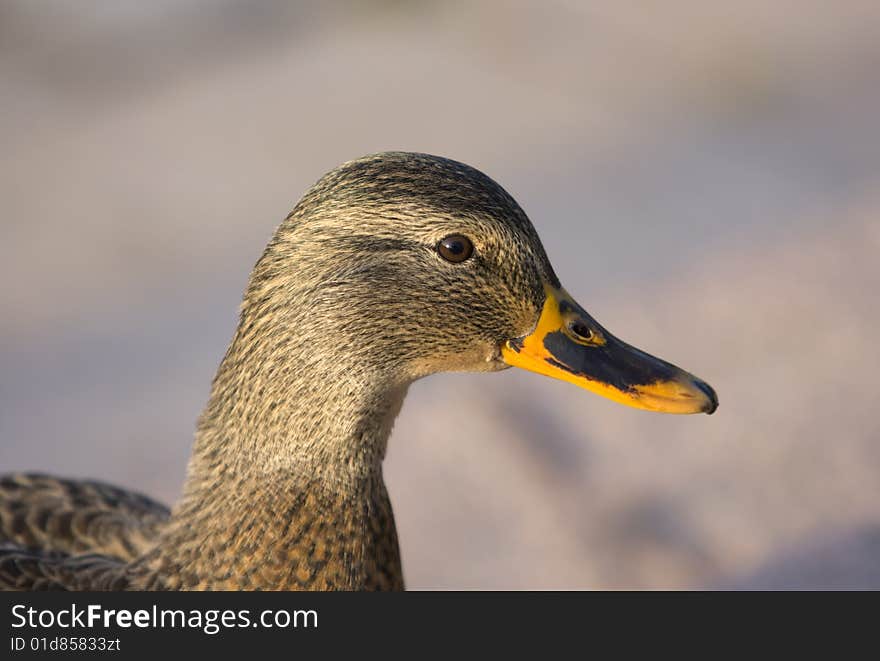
<point>706,180</point>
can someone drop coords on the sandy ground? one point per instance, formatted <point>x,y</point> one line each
<point>705,181</point>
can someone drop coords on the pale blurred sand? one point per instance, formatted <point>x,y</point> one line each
<point>705,181</point>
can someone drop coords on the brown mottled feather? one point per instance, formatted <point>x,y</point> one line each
<point>23,570</point>
<point>74,517</point>
<point>58,534</point>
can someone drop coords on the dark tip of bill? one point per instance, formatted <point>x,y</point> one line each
<point>712,404</point>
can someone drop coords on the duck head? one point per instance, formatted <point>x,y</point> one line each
<point>400,265</point>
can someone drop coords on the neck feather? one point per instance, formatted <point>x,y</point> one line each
<point>286,404</point>
<point>287,460</point>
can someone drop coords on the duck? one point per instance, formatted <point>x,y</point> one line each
<point>391,268</point>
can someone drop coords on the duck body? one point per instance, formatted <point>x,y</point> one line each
<point>318,539</point>
<point>389,269</point>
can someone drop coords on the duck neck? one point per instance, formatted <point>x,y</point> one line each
<point>310,421</point>
<point>286,472</point>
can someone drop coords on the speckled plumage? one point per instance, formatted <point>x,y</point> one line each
<point>66,516</point>
<point>348,305</point>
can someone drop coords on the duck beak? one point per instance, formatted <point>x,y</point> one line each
<point>568,344</point>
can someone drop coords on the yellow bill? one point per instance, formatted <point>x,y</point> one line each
<point>568,344</point>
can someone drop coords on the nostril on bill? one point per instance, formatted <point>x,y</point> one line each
<point>580,329</point>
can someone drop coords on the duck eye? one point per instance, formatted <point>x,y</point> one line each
<point>455,248</point>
